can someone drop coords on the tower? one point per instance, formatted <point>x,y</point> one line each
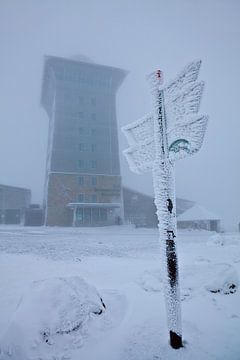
<point>83,181</point>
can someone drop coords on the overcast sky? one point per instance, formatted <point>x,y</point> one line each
<point>138,36</point>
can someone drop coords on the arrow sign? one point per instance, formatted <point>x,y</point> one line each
<point>171,132</point>
<point>186,138</point>
<point>182,99</point>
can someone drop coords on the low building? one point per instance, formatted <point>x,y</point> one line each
<point>197,217</point>
<point>140,210</point>
<point>34,216</point>
<point>13,203</point>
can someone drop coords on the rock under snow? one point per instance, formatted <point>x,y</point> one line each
<point>225,282</point>
<point>216,239</point>
<point>49,309</point>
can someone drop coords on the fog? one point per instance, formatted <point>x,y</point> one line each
<point>138,36</point>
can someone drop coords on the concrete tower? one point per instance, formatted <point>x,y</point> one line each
<point>83,182</point>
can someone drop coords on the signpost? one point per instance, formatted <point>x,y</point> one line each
<point>172,131</point>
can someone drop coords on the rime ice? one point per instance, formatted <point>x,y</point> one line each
<point>173,131</point>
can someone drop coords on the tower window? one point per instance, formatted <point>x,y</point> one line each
<point>80,198</point>
<point>80,164</point>
<point>87,198</point>
<point>81,180</point>
<point>80,115</point>
<point>93,117</point>
<point>80,100</point>
<point>94,164</point>
<point>94,147</point>
<point>94,198</point>
<point>81,147</point>
<point>93,101</point>
<point>94,180</point>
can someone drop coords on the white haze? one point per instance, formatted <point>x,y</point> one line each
<point>138,36</point>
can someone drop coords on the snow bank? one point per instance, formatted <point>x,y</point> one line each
<point>151,280</point>
<point>50,313</point>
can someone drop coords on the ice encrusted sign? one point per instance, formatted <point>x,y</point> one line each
<point>172,131</point>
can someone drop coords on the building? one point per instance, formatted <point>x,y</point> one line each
<point>13,203</point>
<point>197,217</point>
<point>83,182</point>
<point>140,210</point>
<point>34,216</point>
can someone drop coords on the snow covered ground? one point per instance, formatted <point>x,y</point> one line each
<point>123,264</point>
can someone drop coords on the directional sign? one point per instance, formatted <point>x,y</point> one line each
<point>185,133</point>
<point>171,132</point>
<point>140,130</point>
<point>184,104</point>
<point>140,157</point>
<point>185,78</point>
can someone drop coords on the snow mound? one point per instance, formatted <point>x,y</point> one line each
<point>151,280</point>
<point>50,312</point>
<point>216,239</point>
<point>225,282</point>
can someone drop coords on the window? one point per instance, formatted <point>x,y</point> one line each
<point>93,101</point>
<point>94,147</point>
<point>94,164</point>
<point>93,131</point>
<point>94,180</point>
<point>87,198</point>
<point>81,131</point>
<point>103,214</point>
<point>81,180</point>
<point>80,198</point>
<point>80,100</point>
<point>94,198</point>
<point>81,147</point>
<point>79,215</point>
<point>93,117</point>
<point>80,164</point>
<point>80,115</point>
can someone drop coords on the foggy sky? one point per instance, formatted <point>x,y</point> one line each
<point>138,36</point>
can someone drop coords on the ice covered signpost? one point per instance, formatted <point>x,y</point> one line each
<point>172,131</point>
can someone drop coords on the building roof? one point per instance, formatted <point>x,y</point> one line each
<point>84,60</point>
<point>13,187</point>
<point>197,212</point>
<point>181,204</point>
<point>51,67</point>
<point>94,205</point>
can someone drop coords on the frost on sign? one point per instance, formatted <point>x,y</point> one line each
<point>140,130</point>
<point>185,129</point>
<point>186,138</point>
<point>173,131</point>
<point>140,156</point>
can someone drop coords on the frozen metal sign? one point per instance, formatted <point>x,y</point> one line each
<point>184,128</point>
<point>172,131</point>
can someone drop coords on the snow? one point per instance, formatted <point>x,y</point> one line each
<point>122,264</point>
<point>49,313</point>
<point>197,212</point>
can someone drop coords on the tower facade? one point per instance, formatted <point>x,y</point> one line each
<point>83,182</point>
